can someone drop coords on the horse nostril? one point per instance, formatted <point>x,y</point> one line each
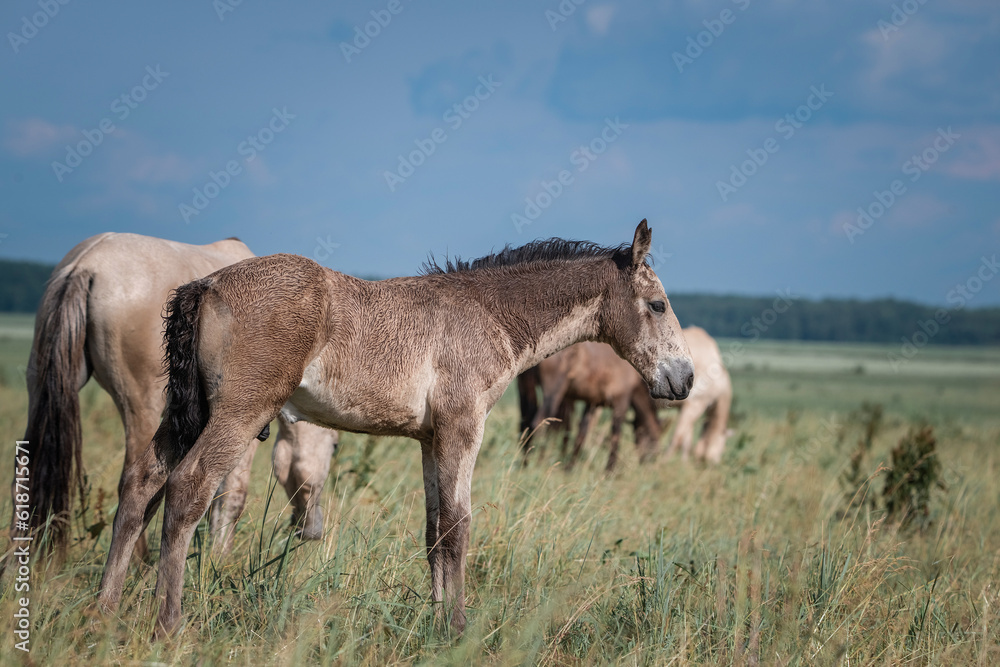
<point>689,382</point>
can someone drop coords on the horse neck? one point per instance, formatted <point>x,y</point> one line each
<point>546,308</point>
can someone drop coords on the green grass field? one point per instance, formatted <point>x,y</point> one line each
<point>760,560</point>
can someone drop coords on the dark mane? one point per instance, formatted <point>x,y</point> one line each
<point>548,250</point>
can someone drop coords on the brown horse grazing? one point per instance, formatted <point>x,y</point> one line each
<point>592,372</point>
<point>100,316</point>
<point>425,357</point>
<point>712,396</point>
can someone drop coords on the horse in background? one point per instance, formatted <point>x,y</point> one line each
<point>425,357</point>
<point>101,317</point>
<point>594,374</point>
<point>711,396</point>
<point>589,372</point>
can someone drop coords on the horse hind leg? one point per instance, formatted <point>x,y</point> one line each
<point>140,412</point>
<point>189,491</point>
<point>140,493</point>
<point>230,500</point>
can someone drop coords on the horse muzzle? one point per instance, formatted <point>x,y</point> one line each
<point>674,381</point>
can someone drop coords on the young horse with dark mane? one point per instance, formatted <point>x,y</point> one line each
<point>425,357</point>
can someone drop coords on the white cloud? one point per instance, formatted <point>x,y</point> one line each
<point>35,137</point>
<point>163,168</point>
<point>919,48</point>
<point>978,155</point>
<point>599,18</point>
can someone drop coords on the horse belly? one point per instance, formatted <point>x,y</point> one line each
<point>359,406</point>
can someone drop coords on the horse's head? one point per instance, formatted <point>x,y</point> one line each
<point>636,319</point>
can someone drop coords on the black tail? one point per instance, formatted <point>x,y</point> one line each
<point>527,386</point>
<point>187,404</point>
<point>54,439</point>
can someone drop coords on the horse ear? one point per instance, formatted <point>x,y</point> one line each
<point>641,244</point>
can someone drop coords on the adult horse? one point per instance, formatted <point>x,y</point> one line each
<point>594,374</point>
<point>711,396</point>
<point>425,357</point>
<point>590,372</point>
<point>100,316</point>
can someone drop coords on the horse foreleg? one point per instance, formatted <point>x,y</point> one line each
<point>552,400</point>
<point>581,434</point>
<point>301,460</point>
<point>684,432</point>
<point>432,505</point>
<point>618,412</point>
<point>455,449</point>
<point>565,416</point>
<point>647,427</point>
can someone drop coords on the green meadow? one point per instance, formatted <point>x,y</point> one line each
<point>784,554</point>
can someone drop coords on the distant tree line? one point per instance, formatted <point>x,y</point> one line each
<point>782,318</point>
<point>22,285</point>
<point>878,321</point>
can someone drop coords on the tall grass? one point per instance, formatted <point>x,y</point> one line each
<point>751,562</point>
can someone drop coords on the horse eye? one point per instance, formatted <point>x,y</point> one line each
<point>658,306</point>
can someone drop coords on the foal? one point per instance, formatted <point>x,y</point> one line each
<point>425,357</point>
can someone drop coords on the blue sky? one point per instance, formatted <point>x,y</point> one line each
<point>748,133</point>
